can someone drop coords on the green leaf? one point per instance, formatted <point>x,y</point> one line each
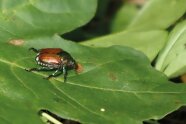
<point>158,14</point>
<point>118,85</point>
<point>23,18</point>
<point>124,17</point>
<point>154,17</point>
<point>149,42</point>
<point>171,59</point>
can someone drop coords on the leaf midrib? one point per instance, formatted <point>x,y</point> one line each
<point>92,87</point>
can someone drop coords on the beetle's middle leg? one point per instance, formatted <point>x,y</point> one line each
<point>56,73</point>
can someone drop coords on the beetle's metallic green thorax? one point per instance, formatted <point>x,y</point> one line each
<point>68,60</point>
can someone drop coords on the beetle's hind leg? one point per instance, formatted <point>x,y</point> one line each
<point>31,69</point>
<point>38,69</point>
<point>33,49</point>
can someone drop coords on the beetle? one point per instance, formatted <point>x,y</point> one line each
<point>55,59</point>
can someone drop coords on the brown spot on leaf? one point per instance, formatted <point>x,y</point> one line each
<point>17,42</point>
<point>112,76</point>
<point>177,102</point>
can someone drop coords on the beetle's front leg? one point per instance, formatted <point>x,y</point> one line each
<point>65,73</point>
<point>64,70</point>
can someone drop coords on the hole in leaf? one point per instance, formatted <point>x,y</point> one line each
<point>179,79</point>
<point>51,118</point>
<point>176,80</point>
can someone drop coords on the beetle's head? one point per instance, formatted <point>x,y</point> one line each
<point>76,66</point>
<point>71,64</point>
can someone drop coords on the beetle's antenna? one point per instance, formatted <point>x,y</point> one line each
<point>33,49</point>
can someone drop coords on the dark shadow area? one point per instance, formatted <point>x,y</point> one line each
<point>99,25</point>
<point>176,80</point>
<point>176,117</point>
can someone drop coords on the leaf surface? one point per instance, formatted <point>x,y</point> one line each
<point>116,85</point>
<point>158,14</point>
<point>171,59</point>
<point>123,17</point>
<point>141,32</point>
<point>23,18</point>
<point>149,42</point>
